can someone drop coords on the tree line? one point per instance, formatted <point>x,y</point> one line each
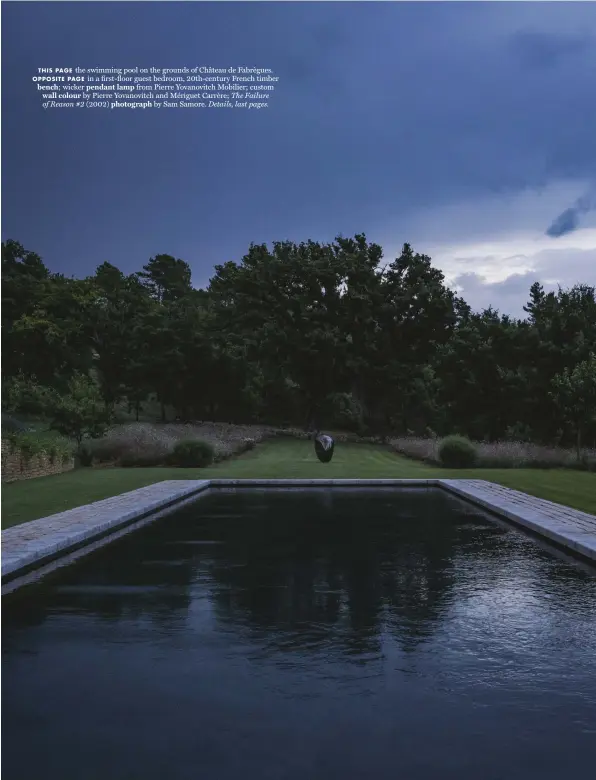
<point>322,334</point>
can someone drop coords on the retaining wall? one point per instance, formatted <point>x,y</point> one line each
<point>15,466</point>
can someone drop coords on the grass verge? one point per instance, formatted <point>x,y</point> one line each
<point>279,459</point>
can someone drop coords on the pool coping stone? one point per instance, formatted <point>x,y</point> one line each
<point>31,545</point>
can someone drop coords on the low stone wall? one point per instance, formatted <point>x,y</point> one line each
<point>15,466</point>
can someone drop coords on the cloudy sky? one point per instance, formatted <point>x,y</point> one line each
<point>466,129</point>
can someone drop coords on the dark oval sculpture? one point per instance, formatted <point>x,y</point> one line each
<point>324,446</point>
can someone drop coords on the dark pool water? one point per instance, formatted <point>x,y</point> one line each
<point>306,635</point>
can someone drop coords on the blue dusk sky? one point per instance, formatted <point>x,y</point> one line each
<point>466,129</point>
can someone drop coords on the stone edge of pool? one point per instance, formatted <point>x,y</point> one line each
<point>31,545</point>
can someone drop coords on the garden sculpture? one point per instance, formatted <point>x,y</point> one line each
<point>324,446</point>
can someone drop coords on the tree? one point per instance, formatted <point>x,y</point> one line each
<point>575,393</point>
<point>51,338</point>
<point>120,303</point>
<point>414,313</point>
<point>295,310</point>
<point>166,278</point>
<point>80,413</point>
<point>22,272</point>
<point>478,368</point>
<point>560,333</point>
<point>25,395</point>
<point>300,333</point>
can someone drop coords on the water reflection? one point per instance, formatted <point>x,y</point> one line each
<point>339,623</point>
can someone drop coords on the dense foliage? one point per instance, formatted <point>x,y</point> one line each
<point>298,334</point>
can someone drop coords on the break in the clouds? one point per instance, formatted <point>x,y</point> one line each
<point>466,129</point>
<point>509,290</point>
<point>493,249</point>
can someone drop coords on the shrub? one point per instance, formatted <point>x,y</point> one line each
<point>457,452</point>
<point>502,454</point>
<point>33,443</point>
<point>26,444</point>
<point>125,444</point>
<point>108,449</point>
<point>157,440</point>
<point>417,448</point>
<point>61,448</point>
<point>28,448</point>
<point>192,453</point>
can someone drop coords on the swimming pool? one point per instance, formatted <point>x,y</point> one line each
<point>308,633</point>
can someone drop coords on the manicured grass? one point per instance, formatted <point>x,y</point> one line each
<point>278,459</point>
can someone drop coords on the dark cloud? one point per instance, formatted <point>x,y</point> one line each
<point>564,223</point>
<point>382,110</point>
<point>569,220</point>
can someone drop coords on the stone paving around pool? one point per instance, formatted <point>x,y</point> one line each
<point>34,543</point>
<point>568,527</point>
<point>31,545</point>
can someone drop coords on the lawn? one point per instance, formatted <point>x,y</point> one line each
<point>278,459</point>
